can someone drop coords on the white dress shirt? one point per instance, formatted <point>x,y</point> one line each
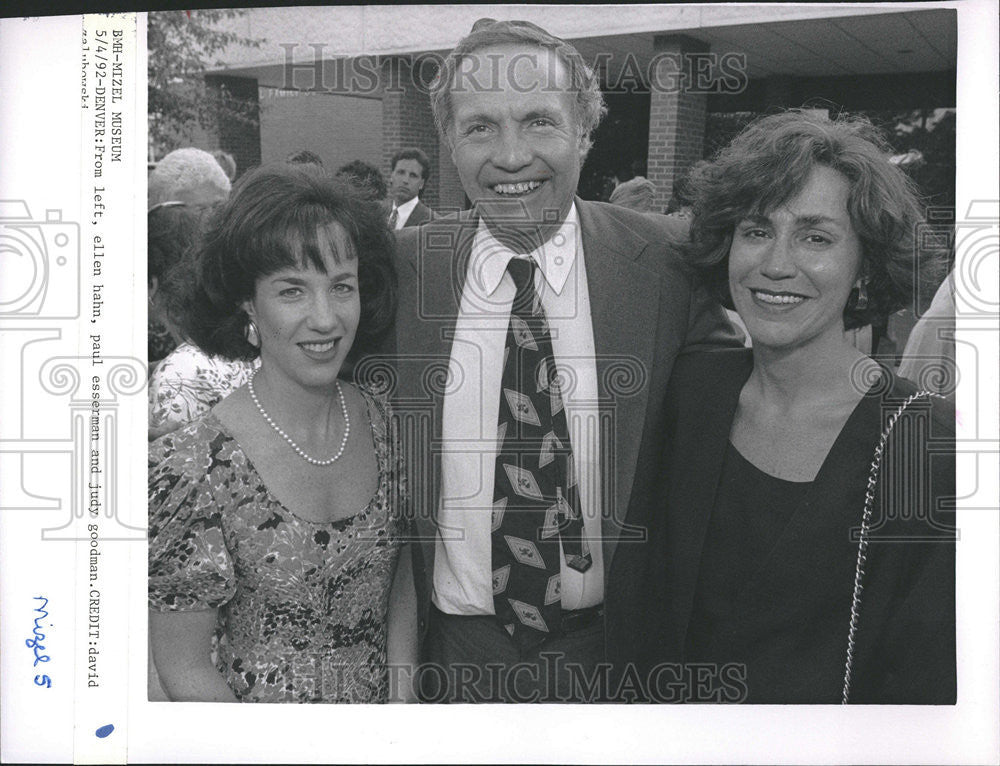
<point>463,558</point>
<point>403,211</point>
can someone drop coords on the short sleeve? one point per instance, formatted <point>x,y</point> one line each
<point>189,565</point>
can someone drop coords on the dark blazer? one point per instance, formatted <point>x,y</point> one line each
<point>421,214</point>
<point>644,308</point>
<point>792,615</point>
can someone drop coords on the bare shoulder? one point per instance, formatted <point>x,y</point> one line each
<point>234,408</point>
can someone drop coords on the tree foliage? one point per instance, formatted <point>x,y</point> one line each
<point>915,129</point>
<point>182,45</point>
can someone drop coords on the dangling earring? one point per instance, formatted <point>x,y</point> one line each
<point>862,301</point>
<point>252,334</point>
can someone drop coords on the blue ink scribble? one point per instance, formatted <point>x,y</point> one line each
<point>35,643</point>
<point>105,730</point>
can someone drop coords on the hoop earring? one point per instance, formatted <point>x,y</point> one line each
<point>252,334</point>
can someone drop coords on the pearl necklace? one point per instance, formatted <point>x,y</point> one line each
<point>301,452</point>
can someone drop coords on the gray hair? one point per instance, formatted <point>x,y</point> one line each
<point>589,107</point>
<point>637,194</point>
<point>182,170</point>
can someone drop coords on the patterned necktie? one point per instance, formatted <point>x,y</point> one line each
<point>535,497</point>
<point>393,217</point>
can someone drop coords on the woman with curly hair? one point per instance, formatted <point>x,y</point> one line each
<point>277,570</point>
<point>803,541</point>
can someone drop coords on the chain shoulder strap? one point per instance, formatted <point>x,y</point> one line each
<point>866,517</point>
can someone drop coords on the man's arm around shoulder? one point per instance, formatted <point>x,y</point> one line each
<point>708,326</point>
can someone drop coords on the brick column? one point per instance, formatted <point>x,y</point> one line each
<point>677,113</point>
<point>451,196</point>
<point>407,121</point>
<point>238,135</point>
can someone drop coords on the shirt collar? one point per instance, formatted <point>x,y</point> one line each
<point>555,257</point>
<point>406,208</point>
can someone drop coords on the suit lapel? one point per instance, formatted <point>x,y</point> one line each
<point>442,260</point>
<point>419,215</point>
<point>434,288</point>
<point>699,446</point>
<point>624,306</point>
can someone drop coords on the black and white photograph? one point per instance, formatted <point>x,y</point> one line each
<point>633,361</point>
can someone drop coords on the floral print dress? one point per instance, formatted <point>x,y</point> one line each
<point>188,383</point>
<point>302,604</point>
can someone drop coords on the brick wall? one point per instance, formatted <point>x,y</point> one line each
<point>451,196</point>
<point>676,119</point>
<point>407,121</point>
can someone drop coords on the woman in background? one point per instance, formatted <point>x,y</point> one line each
<point>803,538</point>
<point>186,382</point>
<point>172,228</point>
<point>277,571</point>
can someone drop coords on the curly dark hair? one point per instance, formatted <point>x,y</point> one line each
<point>304,157</point>
<point>366,178</point>
<point>770,162</point>
<point>271,222</point>
<point>172,228</point>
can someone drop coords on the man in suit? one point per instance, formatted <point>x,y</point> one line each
<point>535,337</point>
<point>410,170</point>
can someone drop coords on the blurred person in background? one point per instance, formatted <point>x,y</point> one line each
<point>409,174</point>
<point>191,176</point>
<point>366,179</point>
<point>304,157</point>
<point>172,228</point>
<point>227,163</point>
<point>929,356</point>
<point>637,194</point>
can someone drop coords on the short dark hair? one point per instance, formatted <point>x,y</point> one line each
<point>770,162</point>
<point>171,229</point>
<point>271,222</point>
<point>485,33</point>
<point>366,179</point>
<point>304,157</point>
<point>412,153</point>
<point>636,194</point>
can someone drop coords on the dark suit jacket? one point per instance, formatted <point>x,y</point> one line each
<point>792,615</point>
<point>645,309</point>
<point>421,214</point>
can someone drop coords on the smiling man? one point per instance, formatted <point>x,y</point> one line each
<point>535,337</point>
